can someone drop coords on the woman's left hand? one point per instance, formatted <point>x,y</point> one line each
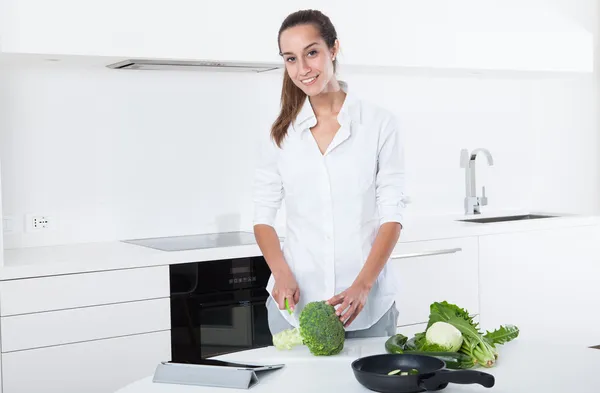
<point>352,302</point>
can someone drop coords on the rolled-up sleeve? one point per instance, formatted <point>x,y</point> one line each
<point>267,188</point>
<point>391,200</point>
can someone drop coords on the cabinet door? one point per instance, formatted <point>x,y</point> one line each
<point>101,366</point>
<point>434,271</point>
<point>181,29</point>
<point>69,291</point>
<point>45,329</point>
<point>545,282</point>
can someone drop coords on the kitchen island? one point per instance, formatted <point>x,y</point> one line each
<point>524,366</point>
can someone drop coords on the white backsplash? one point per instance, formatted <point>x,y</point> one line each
<point>124,154</point>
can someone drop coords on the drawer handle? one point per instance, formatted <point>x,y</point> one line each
<point>426,253</point>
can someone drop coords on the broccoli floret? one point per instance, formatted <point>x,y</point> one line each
<point>287,339</point>
<point>320,330</point>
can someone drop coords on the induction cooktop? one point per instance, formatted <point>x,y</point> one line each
<point>194,242</point>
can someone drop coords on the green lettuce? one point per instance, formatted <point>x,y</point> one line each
<point>482,348</point>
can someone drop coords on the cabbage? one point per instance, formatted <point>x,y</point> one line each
<point>443,337</point>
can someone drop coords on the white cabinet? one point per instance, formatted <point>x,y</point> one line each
<point>92,332</point>
<point>434,271</point>
<point>84,324</point>
<point>82,289</point>
<point>182,29</point>
<point>92,367</point>
<point>524,35</point>
<point>462,34</point>
<point>545,282</point>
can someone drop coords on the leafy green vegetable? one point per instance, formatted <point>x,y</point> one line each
<point>481,348</point>
<point>320,330</point>
<point>502,335</point>
<point>420,340</point>
<point>476,348</point>
<point>398,343</point>
<point>473,344</point>
<point>442,311</point>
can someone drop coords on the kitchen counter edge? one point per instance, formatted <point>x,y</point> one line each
<point>32,262</point>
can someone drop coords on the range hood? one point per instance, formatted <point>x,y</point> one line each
<point>188,65</point>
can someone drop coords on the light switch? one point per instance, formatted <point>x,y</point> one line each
<point>8,224</point>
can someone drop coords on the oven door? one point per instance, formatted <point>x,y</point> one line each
<point>233,327</point>
<point>216,324</point>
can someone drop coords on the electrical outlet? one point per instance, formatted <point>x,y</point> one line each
<point>35,222</point>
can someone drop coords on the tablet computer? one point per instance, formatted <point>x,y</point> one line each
<point>223,363</point>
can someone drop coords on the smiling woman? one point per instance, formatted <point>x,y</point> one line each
<point>308,44</point>
<point>339,163</point>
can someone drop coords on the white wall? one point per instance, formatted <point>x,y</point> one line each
<point>122,154</point>
<point>115,155</point>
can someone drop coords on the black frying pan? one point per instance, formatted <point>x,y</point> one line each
<point>372,373</point>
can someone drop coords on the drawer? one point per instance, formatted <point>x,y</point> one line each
<point>434,271</point>
<point>83,289</point>
<point>102,366</point>
<point>84,324</point>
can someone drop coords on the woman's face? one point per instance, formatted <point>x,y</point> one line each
<point>308,60</point>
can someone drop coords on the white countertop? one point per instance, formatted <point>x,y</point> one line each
<point>522,367</point>
<point>30,262</point>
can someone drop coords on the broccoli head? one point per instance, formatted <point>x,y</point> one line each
<point>320,330</point>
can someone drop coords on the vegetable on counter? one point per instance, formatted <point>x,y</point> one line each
<point>454,360</point>
<point>441,338</point>
<point>475,344</point>
<point>320,330</point>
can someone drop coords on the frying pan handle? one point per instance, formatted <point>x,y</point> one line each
<point>461,377</point>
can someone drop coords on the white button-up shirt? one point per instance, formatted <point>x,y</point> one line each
<point>335,202</point>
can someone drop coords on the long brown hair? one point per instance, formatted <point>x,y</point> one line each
<point>292,97</point>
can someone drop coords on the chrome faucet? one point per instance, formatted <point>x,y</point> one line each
<point>473,203</point>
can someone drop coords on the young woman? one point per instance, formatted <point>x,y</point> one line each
<point>338,163</point>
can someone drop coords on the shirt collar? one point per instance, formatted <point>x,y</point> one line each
<point>306,117</point>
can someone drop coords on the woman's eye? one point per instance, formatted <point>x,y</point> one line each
<point>290,59</point>
<point>312,53</point>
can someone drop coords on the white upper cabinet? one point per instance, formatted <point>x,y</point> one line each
<point>523,35</point>
<point>178,29</point>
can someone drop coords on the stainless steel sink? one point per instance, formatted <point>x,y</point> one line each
<point>507,218</point>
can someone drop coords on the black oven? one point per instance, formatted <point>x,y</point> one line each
<point>218,307</point>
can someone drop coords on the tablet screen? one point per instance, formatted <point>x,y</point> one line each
<point>222,363</point>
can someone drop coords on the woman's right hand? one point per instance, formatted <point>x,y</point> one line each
<point>286,287</point>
